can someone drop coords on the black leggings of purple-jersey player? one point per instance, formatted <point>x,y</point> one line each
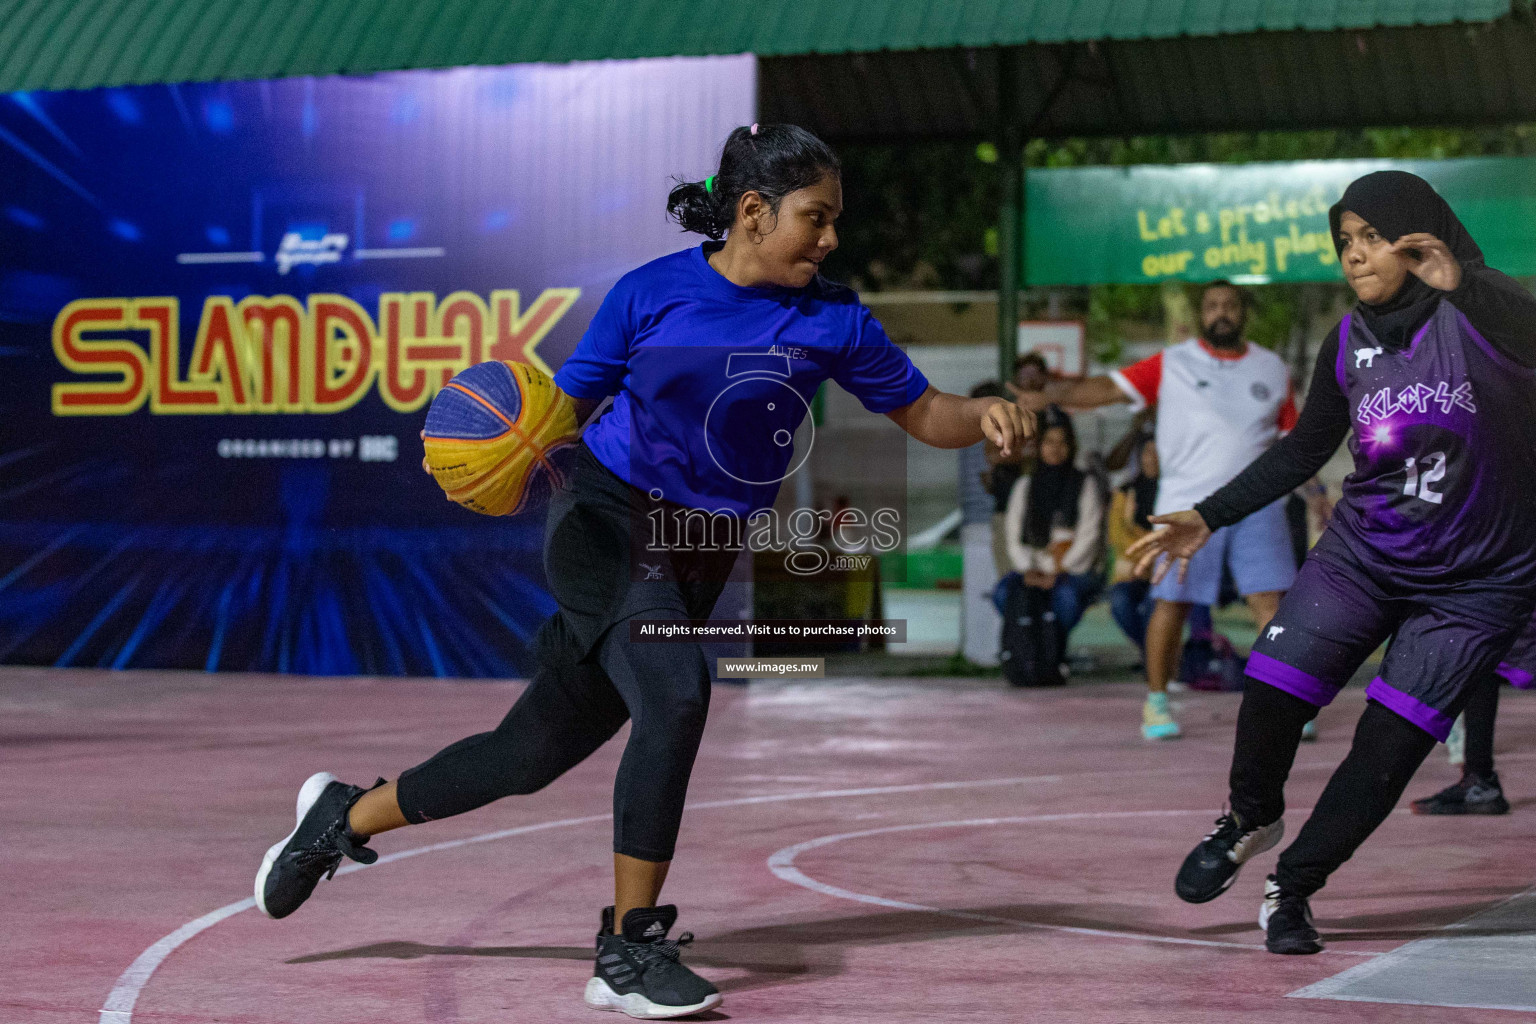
<point>1387,750</point>
<point>1483,705</point>
<point>1327,626</point>
<point>1479,790</point>
<point>1479,715</point>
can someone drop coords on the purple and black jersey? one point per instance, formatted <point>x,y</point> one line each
<point>1433,545</point>
<point>1444,442</point>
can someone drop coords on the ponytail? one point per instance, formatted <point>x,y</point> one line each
<point>698,208</point>
<point>772,160</point>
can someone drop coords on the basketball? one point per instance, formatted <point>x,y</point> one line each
<point>492,432</point>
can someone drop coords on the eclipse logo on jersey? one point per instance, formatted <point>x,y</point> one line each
<point>274,354</point>
<point>1415,398</point>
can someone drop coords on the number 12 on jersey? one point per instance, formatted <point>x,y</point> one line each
<point>1418,486</point>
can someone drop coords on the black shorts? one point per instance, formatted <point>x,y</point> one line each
<point>1339,612</point>
<point>601,567</point>
<point>1519,664</point>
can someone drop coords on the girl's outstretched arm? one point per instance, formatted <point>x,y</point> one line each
<point>951,421</point>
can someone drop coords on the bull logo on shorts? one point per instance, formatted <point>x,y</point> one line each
<point>1273,632</point>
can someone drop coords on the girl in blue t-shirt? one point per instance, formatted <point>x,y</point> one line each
<point>711,356</point>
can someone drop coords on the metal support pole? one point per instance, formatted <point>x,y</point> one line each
<point>1010,158</point>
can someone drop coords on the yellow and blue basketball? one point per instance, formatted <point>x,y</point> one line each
<point>491,435</point>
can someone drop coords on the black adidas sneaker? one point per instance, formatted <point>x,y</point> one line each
<point>638,970</point>
<point>1287,922</point>
<point>293,867</point>
<point>1212,866</point>
<point>1474,794</point>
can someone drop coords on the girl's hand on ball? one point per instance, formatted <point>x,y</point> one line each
<point>1006,425</point>
<point>424,467</point>
<point>1182,534</point>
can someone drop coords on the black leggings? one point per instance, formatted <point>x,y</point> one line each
<point>1482,710</point>
<point>1387,750</point>
<point>591,678</point>
<point>569,710</point>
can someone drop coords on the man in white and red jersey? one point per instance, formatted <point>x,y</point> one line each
<point>1220,402</point>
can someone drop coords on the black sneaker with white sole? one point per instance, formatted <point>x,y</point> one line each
<point>1287,922</point>
<point>639,971</point>
<point>1474,794</point>
<point>1212,866</point>
<point>314,849</point>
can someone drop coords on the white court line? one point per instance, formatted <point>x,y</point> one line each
<point>118,1008</point>
<point>782,864</point>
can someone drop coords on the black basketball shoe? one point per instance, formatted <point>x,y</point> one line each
<point>638,970</point>
<point>293,867</point>
<point>1287,922</point>
<point>1474,794</point>
<point>1213,865</point>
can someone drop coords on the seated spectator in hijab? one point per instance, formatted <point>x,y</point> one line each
<point>1054,525</point>
<point>1130,597</point>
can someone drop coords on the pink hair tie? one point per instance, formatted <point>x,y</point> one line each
<point>754,128</point>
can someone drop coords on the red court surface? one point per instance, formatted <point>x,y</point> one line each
<point>857,851</point>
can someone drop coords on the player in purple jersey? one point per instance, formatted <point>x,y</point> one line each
<point>1479,790</point>
<point>1432,546</point>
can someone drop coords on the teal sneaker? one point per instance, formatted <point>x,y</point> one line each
<point>1156,721</point>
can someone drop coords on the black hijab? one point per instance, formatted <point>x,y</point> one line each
<point>1397,203</point>
<point>1054,491</point>
<point>1143,492</point>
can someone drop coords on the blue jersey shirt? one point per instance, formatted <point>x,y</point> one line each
<point>711,380</point>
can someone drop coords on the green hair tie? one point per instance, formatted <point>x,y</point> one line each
<point>709,184</point>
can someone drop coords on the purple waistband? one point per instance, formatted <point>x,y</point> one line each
<point>1291,679</point>
<point>1436,723</point>
<point>1518,677</point>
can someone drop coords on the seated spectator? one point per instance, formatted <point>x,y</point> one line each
<point>1054,526</point>
<point>1130,595</point>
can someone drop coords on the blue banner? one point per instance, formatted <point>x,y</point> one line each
<point>223,311</point>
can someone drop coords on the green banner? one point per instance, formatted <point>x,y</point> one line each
<point>1253,223</point>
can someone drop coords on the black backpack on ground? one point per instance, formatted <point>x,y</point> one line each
<point>1032,642</point>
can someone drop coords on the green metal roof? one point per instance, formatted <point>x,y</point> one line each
<point>76,44</point>
<point>1256,81</point>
